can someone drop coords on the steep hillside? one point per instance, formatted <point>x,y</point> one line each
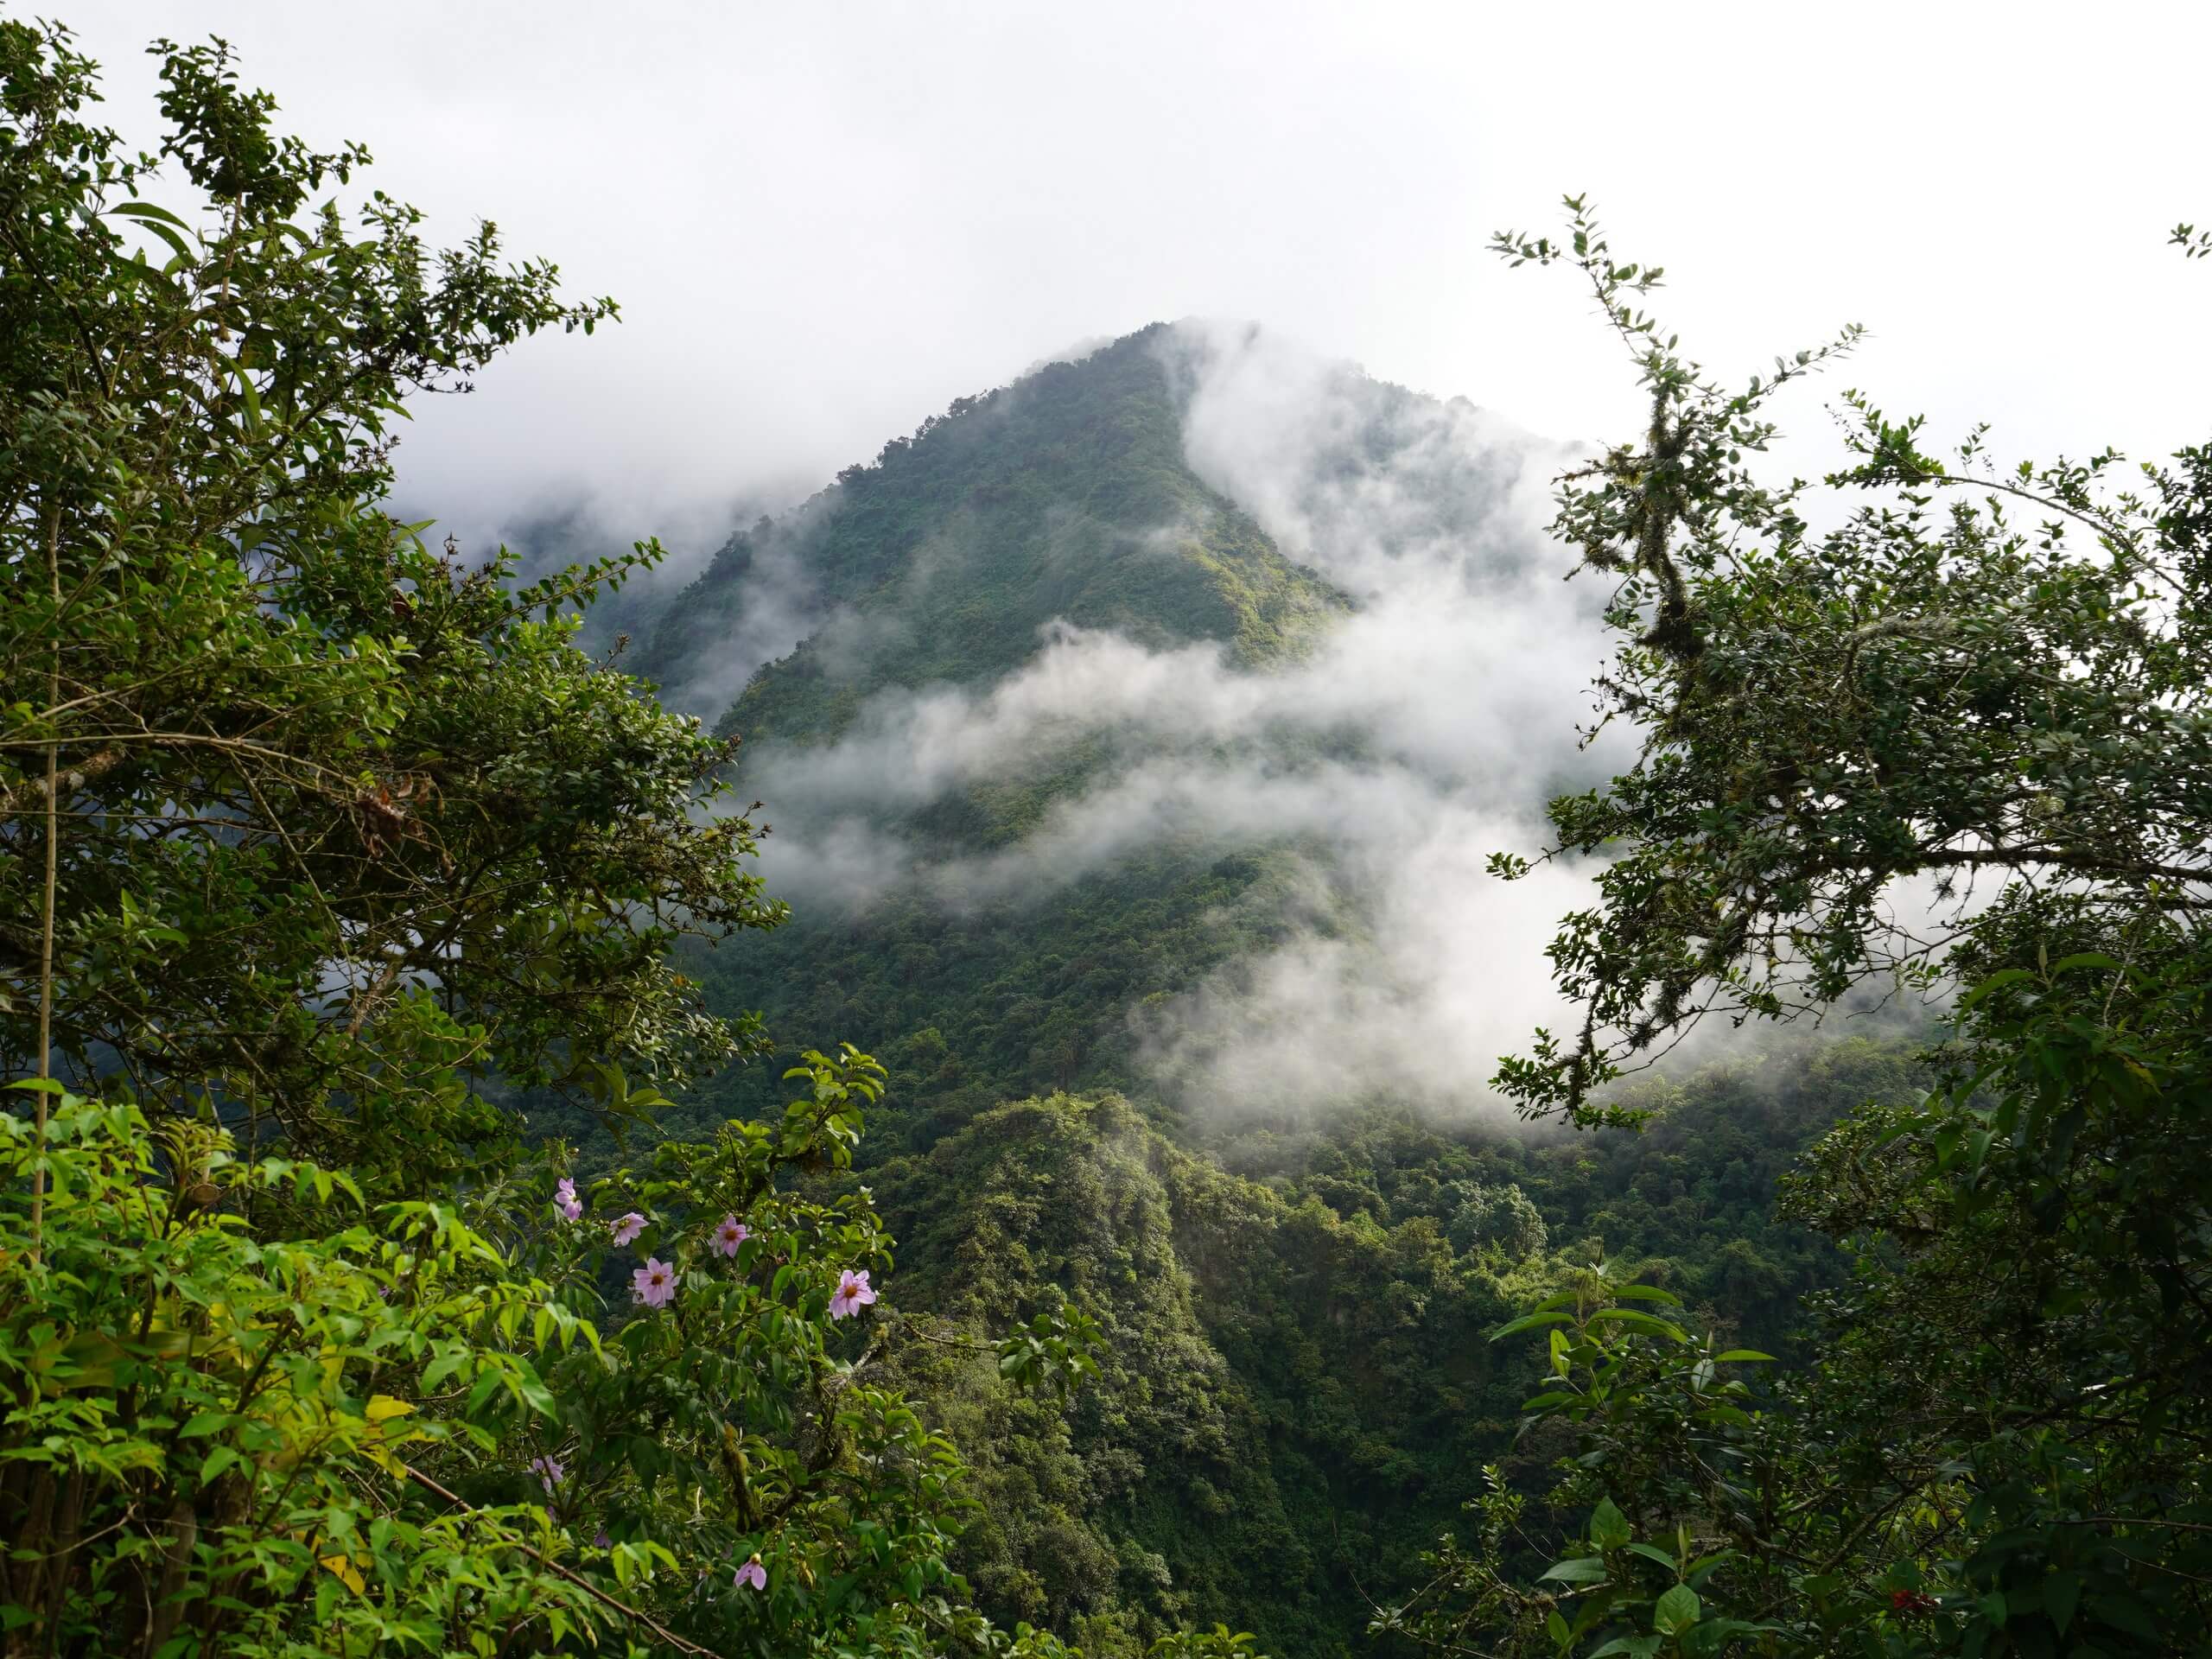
<point>1299,1388</point>
<point>1065,751</point>
<point>1271,1370</point>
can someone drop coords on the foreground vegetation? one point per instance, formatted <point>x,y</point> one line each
<point>310,834</point>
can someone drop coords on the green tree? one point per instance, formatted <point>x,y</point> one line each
<point>1981,675</point>
<point>1994,684</point>
<point>298,815</point>
<point>206,1435</point>
<point>309,838</point>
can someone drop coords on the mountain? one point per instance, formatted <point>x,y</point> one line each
<point>1065,497</point>
<point>1132,776</point>
<point>1062,503</point>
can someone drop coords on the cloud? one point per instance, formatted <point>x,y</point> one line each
<point>1447,975</point>
<point>1367,481</point>
<point>775,603</point>
<point>1424,731</point>
<point>1074,352</point>
<point>820,235</point>
<point>820,232</point>
<point>1468,658</point>
<point>844,865</point>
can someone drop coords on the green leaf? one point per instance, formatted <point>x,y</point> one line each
<point>1581,1569</point>
<point>1527,1322</point>
<point>1643,1322</point>
<point>1995,982</point>
<point>1609,1528</point>
<point>2062,1591</point>
<point>1677,1611</point>
<point>488,1384</point>
<point>147,210</point>
<point>160,222</point>
<point>2085,959</point>
<point>2129,1614</point>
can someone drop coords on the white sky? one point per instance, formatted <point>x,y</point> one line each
<point>826,220</point>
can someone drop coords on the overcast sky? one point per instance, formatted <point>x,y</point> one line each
<point>824,221</point>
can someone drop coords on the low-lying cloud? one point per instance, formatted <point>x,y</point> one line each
<point>1422,732</point>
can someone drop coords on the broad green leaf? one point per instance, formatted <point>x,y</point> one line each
<point>2086,959</point>
<point>1609,1528</point>
<point>1995,982</point>
<point>2061,1591</point>
<point>1581,1569</point>
<point>1676,1610</point>
<point>1529,1322</point>
<point>1643,1322</point>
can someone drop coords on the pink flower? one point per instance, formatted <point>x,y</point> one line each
<point>751,1573</point>
<point>547,1470</point>
<point>851,1295</point>
<point>565,1199</point>
<point>731,1234</point>
<point>628,1227</point>
<point>654,1284</point>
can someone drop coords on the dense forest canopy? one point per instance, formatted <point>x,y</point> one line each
<point>436,1211</point>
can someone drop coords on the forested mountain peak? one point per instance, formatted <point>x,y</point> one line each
<point>1063,497</point>
<point>1200,628</point>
